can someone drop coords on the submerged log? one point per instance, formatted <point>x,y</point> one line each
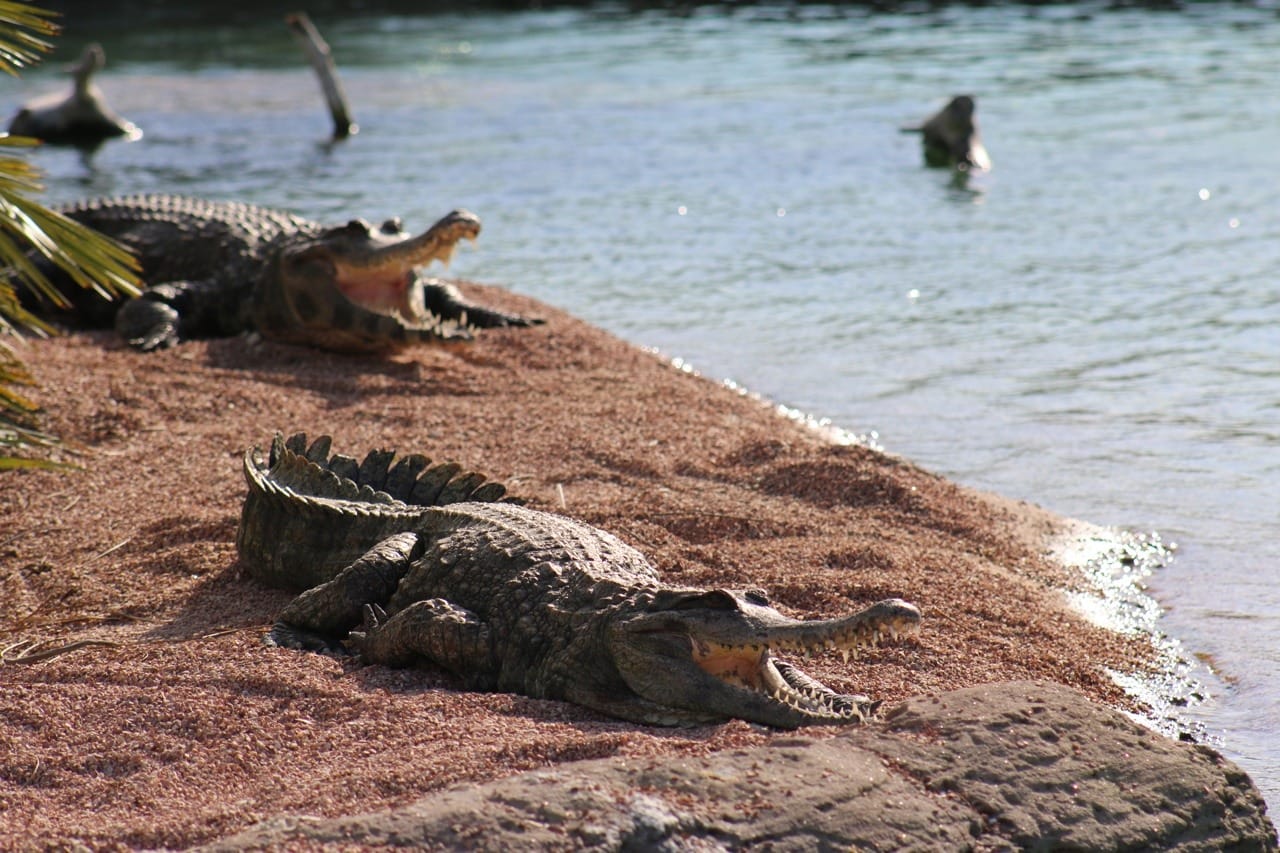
<point>321,57</point>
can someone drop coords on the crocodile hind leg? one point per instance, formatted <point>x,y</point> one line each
<point>319,618</point>
<point>449,636</point>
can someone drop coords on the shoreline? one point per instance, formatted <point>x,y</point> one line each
<point>1112,561</point>
<point>1116,563</point>
<point>186,730</point>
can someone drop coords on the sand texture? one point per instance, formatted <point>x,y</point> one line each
<point>166,722</point>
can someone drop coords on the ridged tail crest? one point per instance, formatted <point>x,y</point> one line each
<point>308,513</point>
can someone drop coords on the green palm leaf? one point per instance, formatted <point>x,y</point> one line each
<point>22,31</point>
<point>30,230</point>
<point>18,429</point>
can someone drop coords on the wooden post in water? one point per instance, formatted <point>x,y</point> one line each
<point>322,61</point>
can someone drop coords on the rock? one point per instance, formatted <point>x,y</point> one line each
<point>1040,766</point>
<point>1018,765</point>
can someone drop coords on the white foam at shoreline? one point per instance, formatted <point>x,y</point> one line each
<point>1115,563</point>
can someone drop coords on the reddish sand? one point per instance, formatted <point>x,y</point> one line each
<point>174,725</point>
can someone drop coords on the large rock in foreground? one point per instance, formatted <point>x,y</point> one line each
<point>1018,765</point>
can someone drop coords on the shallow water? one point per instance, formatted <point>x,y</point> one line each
<point>1093,326</point>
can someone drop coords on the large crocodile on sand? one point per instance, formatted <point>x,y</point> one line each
<point>219,268</point>
<point>517,600</point>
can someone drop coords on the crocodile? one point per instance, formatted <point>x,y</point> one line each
<point>405,568</point>
<point>220,268</point>
<point>950,137</point>
<point>82,118</point>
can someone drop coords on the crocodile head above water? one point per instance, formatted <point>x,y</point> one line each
<point>951,137</point>
<point>357,287</point>
<point>712,652</point>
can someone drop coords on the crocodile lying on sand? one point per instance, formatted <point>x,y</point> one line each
<point>951,139</point>
<point>516,600</point>
<point>221,268</point>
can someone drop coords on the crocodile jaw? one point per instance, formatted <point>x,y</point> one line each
<point>383,277</point>
<point>322,317</point>
<point>356,288</point>
<point>721,663</point>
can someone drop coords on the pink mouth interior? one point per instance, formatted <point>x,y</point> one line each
<point>387,292</point>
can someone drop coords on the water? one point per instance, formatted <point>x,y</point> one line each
<point>1094,326</point>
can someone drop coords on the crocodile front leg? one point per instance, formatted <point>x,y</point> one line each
<point>179,310</point>
<point>445,300</point>
<point>148,323</point>
<point>319,618</point>
<point>447,635</point>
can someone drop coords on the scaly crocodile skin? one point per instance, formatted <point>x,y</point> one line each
<point>411,563</point>
<point>215,268</point>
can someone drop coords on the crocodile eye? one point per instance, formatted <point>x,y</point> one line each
<point>311,262</point>
<point>713,599</point>
<point>393,226</point>
<point>359,226</point>
<point>756,596</point>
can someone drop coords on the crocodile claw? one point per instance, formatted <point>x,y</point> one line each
<point>374,618</point>
<point>284,636</point>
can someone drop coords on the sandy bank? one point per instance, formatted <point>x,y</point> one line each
<point>181,728</point>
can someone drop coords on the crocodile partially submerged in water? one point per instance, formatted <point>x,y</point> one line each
<point>410,563</point>
<point>81,118</point>
<point>218,268</point>
<point>950,137</point>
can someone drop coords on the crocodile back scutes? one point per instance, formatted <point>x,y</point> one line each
<point>254,223</point>
<point>308,514</point>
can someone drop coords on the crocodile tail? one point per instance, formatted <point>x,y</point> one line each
<point>308,514</point>
<point>381,478</point>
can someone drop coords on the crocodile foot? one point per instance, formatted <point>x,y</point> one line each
<point>285,636</point>
<point>148,324</point>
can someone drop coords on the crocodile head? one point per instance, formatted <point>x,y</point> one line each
<point>712,653</point>
<point>356,287</point>
<point>952,138</point>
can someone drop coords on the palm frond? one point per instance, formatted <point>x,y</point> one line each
<point>29,231</point>
<point>18,428</point>
<point>23,34</point>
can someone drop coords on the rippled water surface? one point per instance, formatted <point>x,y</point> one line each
<point>1093,326</point>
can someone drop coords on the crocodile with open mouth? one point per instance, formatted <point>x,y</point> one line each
<point>217,268</point>
<point>416,563</point>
